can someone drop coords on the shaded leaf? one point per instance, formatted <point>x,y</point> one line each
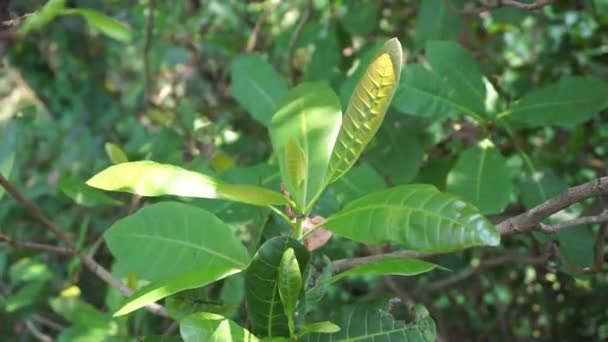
<point>360,17</point>
<point>388,266</point>
<point>325,59</point>
<point>106,25</point>
<point>206,326</point>
<point>42,17</point>
<point>264,305</point>
<point>366,108</point>
<point>8,132</point>
<point>481,176</point>
<point>417,216</point>
<point>325,327</point>
<point>115,153</point>
<point>436,22</point>
<point>257,87</point>
<point>174,239</point>
<point>570,101</point>
<point>289,279</point>
<point>358,181</point>
<point>310,115</point>
<point>84,195</point>
<point>148,178</point>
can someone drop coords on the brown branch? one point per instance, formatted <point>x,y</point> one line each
<point>91,264</point>
<point>553,228</point>
<point>33,245</point>
<point>487,6</point>
<point>531,219</point>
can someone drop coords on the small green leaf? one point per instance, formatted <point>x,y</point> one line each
<point>436,22</point>
<point>417,216</point>
<point>257,87</point>
<point>374,322</point>
<point>295,163</point>
<point>326,57</point>
<point>115,153</point>
<point>570,101</point>
<point>361,17</point>
<point>481,176</point>
<point>84,195</point>
<point>266,311</point>
<point>174,239</point>
<point>310,115</point>
<point>325,327</point>
<point>42,17</point>
<point>8,132</point>
<point>81,313</point>
<point>160,289</point>
<point>366,108</point>
<point>289,279</point>
<point>388,266</point>
<point>148,178</point>
<point>206,326</point>
<point>106,25</point>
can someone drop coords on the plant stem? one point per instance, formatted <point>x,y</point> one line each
<point>298,228</point>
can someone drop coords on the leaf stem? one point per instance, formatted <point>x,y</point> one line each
<point>280,213</point>
<point>312,230</point>
<point>298,228</point>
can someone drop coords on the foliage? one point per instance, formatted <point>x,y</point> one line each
<point>223,140</point>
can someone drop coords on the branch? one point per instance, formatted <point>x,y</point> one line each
<point>531,219</point>
<point>295,37</point>
<point>91,264</point>
<point>487,6</point>
<point>554,228</point>
<point>34,245</point>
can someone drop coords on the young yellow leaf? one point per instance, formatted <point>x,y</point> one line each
<point>366,108</point>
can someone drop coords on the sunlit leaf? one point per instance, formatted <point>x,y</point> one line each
<point>206,326</point>
<point>106,25</point>
<point>366,108</point>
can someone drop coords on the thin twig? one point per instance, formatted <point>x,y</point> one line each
<point>34,331</point>
<point>487,6</point>
<point>253,38</point>
<point>345,264</point>
<point>295,37</point>
<point>91,264</point>
<point>553,228</point>
<point>34,245</point>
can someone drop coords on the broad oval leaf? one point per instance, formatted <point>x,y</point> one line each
<point>264,305</point>
<point>570,101</point>
<point>169,239</point>
<point>148,178</point>
<point>481,177</point>
<point>257,87</point>
<point>417,216</point>
<point>160,289</point>
<point>311,116</point>
<point>206,326</point>
<point>388,266</point>
<point>374,322</point>
<point>366,108</point>
<point>290,285</point>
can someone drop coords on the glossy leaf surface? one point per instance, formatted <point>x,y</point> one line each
<point>206,326</point>
<point>366,108</point>
<point>266,311</point>
<point>310,115</point>
<point>388,266</point>
<point>417,216</point>
<point>148,178</point>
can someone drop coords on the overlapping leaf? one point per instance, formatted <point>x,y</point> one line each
<point>148,178</point>
<point>310,116</point>
<point>367,107</point>
<point>417,216</point>
<point>206,326</point>
<point>264,305</point>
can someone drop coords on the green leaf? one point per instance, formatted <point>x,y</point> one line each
<point>29,270</point>
<point>360,17</point>
<point>388,266</point>
<point>42,17</point>
<point>423,93</point>
<point>8,132</point>
<point>538,185</point>
<point>358,181</point>
<point>455,64</point>
<point>257,87</point>
<point>577,246</point>
<point>148,178</point>
<point>81,313</point>
<point>106,25</point>
<point>394,154</point>
<point>326,57</point>
<point>264,305</point>
<point>481,176</point>
<point>295,163</point>
<point>366,108</point>
<point>436,22</point>
<point>174,239</point>
<point>115,153</point>
<point>289,279</point>
<point>27,295</point>
<point>325,327</point>
<point>570,101</point>
<point>417,216</point>
<point>374,322</point>
<point>84,195</point>
<point>206,326</point>
<point>160,289</point>
<point>310,115</point>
